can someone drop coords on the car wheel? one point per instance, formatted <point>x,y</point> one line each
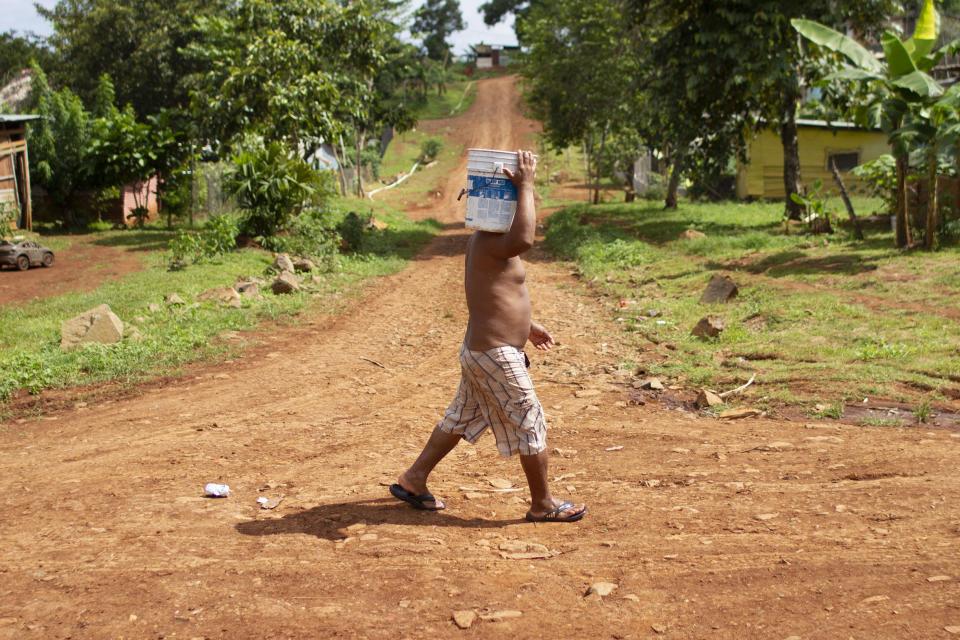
<point>47,260</point>
<point>23,263</point>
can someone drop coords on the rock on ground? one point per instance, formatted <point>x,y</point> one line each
<point>286,282</point>
<point>174,299</point>
<point>720,289</point>
<point>602,589</point>
<point>692,234</point>
<point>282,262</point>
<point>303,265</point>
<point>709,327</point>
<point>707,398</point>
<point>464,619</point>
<point>226,296</point>
<point>100,325</point>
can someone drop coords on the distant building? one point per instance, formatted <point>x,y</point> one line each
<point>493,56</point>
<point>15,168</point>
<point>821,143</point>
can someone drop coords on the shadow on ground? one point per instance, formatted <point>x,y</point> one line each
<point>137,239</point>
<point>326,521</point>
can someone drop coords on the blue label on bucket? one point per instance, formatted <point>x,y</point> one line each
<point>491,188</point>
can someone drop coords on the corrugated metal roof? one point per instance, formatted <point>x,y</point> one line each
<point>836,124</point>
<point>18,117</point>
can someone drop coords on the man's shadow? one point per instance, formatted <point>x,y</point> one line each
<point>324,521</point>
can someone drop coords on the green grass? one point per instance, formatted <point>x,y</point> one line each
<point>817,318</point>
<point>31,358</point>
<point>457,99</point>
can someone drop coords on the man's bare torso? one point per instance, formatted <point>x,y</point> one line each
<point>497,298</point>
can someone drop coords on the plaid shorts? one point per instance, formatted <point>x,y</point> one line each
<point>496,391</point>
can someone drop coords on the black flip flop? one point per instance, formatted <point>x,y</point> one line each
<point>554,515</point>
<point>415,501</point>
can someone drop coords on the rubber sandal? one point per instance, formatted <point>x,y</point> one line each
<point>555,515</point>
<point>415,501</point>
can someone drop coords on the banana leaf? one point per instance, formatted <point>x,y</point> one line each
<point>835,41</point>
<point>926,32</point>
<point>899,60</point>
<point>920,84</point>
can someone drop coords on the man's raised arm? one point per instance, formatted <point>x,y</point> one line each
<point>521,234</point>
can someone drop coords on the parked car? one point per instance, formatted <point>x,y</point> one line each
<point>24,254</point>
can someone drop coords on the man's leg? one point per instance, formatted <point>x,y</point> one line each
<point>541,500</point>
<point>438,446</point>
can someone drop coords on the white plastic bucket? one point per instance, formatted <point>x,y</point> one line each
<point>491,197</point>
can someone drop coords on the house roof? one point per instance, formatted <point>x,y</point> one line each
<point>14,118</point>
<point>824,124</point>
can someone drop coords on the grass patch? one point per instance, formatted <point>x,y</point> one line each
<point>812,319</point>
<point>30,354</point>
<point>457,99</point>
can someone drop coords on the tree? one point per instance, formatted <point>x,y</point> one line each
<point>294,72</point>
<point>19,51</point>
<point>139,43</point>
<point>60,142</point>
<point>741,64</point>
<point>904,99</point>
<point>435,22</point>
<point>582,104</point>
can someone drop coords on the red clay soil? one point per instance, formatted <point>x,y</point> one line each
<point>748,529</point>
<point>83,266</point>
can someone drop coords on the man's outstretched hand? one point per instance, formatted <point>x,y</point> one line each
<point>540,337</point>
<point>526,170</point>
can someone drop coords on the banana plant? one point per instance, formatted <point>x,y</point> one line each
<point>901,85</point>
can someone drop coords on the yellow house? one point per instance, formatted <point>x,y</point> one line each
<point>820,142</point>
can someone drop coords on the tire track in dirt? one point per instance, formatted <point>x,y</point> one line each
<point>105,534</point>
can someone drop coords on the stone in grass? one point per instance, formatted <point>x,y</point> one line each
<point>226,296</point>
<point>602,589</point>
<point>720,289</point>
<point>286,282</point>
<point>281,263</point>
<point>174,300</point>
<point>153,307</point>
<point>649,383</point>
<point>98,325</point>
<point>709,327</point>
<point>692,234</point>
<point>248,289</point>
<point>464,619</point>
<point>303,265</point>
<point>707,399</point>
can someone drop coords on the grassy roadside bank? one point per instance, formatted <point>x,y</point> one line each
<point>31,359</point>
<point>820,320</point>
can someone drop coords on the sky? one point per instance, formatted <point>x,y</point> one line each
<point>20,15</point>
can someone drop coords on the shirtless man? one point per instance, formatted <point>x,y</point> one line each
<point>495,389</point>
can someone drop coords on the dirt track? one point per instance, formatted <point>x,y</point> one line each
<point>105,533</point>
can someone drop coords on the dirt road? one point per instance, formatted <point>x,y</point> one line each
<point>748,529</point>
<point>83,266</point>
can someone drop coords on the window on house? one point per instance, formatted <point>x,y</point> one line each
<point>845,160</point>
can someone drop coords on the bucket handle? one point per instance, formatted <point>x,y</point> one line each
<point>462,192</point>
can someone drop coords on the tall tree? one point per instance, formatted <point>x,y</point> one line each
<point>18,51</point>
<point>295,72</point>
<point>435,22</point>
<point>750,59</point>
<point>579,103</point>
<point>138,42</point>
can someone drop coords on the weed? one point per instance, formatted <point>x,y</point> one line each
<point>924,411</point>
<point>880,422</point>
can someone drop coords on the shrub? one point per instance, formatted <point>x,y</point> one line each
<point>311,234</point>
<point>881,176</point>
<point>217,238</point>
<point>351,230</point>
<point>430,149</point>
<point>272,185</point>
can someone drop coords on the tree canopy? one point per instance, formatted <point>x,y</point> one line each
<point>435,22</point>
